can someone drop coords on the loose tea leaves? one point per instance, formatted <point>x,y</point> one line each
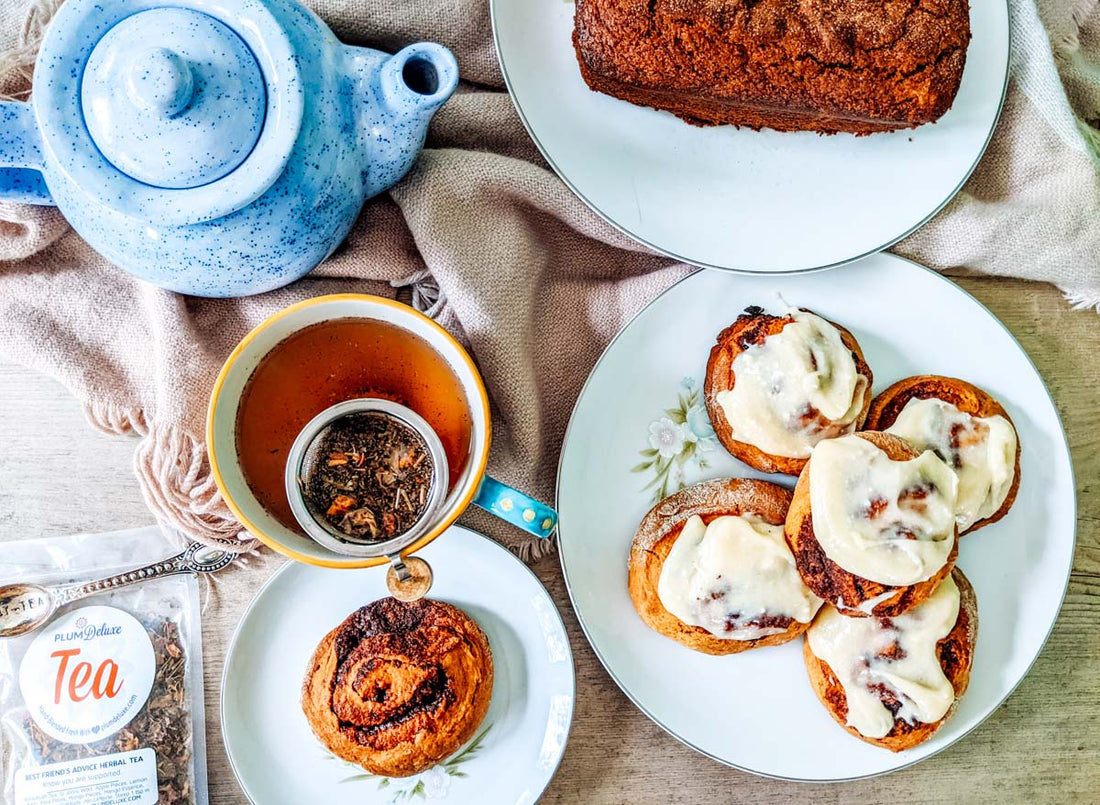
<point>369,476</point>
<point>164,724</point>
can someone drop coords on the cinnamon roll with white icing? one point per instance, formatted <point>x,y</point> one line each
<point>968,429</point>
<point>710,569</point>
<point>872,523</point>
<point>778,385</point>
<point>894,681</point>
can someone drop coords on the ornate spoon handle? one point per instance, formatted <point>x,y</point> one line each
<point>197,558</point>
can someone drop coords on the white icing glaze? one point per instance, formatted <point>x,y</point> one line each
<point>868,606</point>
<point>887,521</point>
<point>725,574</point>
<point>853,648</point>
<point>981,451</point>
<point>780,383</point>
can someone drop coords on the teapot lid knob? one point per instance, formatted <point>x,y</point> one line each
<point>173,98</point>
<point>160,80</point>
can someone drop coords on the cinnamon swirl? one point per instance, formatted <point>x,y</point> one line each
<point>778,385</point>
<point>893,682</point>
<point>872,525</point>
<point>965,427</point>
<point>709,568</point>
<point>398,687</point>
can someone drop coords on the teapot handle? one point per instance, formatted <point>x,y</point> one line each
<point>21,159</point>
<point>513,506</point>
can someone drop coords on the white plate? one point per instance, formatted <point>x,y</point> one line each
<point>517,749</point>
<point>756,710</point>
<point>740,199</point>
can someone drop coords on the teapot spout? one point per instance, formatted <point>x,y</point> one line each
<point>406,89</point>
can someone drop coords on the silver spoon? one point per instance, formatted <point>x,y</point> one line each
<point>25,607</point>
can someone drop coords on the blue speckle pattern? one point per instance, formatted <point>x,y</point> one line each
<point>173,98</point>
<point>340,124</point>
<point>21,156</point>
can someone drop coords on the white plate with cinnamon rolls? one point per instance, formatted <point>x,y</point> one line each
<point>826,503</point>
<point>334,691</point>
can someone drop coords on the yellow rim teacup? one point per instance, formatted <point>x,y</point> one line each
<point>225,398</point>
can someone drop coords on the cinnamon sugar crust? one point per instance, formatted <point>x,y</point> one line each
<point>398,687</point>
<point>858,66</point>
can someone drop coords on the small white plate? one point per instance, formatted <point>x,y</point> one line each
<point>516,751</point>
<point>757,201</point>
<point>756,710</point>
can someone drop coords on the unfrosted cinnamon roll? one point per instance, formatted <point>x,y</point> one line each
<point>893,682</point>
<point>965,427</point>
<point>778,385</point>
<point>709,568</point>
<point>398,687</point>
<point>872,524</point>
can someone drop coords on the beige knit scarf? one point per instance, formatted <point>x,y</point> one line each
<point>487,240</point>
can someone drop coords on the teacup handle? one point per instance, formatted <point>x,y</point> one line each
<point>514,507</point>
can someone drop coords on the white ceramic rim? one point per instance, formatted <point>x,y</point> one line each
<point>701,263</point>
<point>238,368</point>
<point>542,588</point>
<point>65,138</point>
<point>689,744</point>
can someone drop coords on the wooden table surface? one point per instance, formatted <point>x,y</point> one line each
<point>1043,745</point>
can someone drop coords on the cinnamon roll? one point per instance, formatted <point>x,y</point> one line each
<point>709,568</point>
<point>965,427</point>
<point>872,524</point>
<point>893,682</point>
<point>778,385</point>
<point>398,687</point>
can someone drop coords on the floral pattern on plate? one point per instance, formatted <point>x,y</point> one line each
<point>435,783</point>
<point>678,442</point>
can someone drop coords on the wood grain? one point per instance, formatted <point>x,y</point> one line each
<point>59,476</point>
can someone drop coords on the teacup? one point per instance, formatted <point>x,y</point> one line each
<point>471,485</point>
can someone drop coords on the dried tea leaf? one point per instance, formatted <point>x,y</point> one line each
<point>376,476</point>
<point>164,723</point>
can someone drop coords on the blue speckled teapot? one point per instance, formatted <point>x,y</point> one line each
<point>214,147</point>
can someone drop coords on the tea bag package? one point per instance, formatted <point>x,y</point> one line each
<point>103,704</point>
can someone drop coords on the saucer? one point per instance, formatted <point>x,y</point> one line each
<point>514,753</point>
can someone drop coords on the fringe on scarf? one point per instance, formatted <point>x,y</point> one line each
<point>175,479</point>
<point>426,295</point>
<point>533,549</point>
<point>1083,297</point>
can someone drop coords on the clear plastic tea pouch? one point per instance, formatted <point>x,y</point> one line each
<point>104,703</point>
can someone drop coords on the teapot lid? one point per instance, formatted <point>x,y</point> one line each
<point>175,112</point>
<point>173,98</point>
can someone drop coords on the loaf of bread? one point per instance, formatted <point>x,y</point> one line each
<point>858,66</point>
